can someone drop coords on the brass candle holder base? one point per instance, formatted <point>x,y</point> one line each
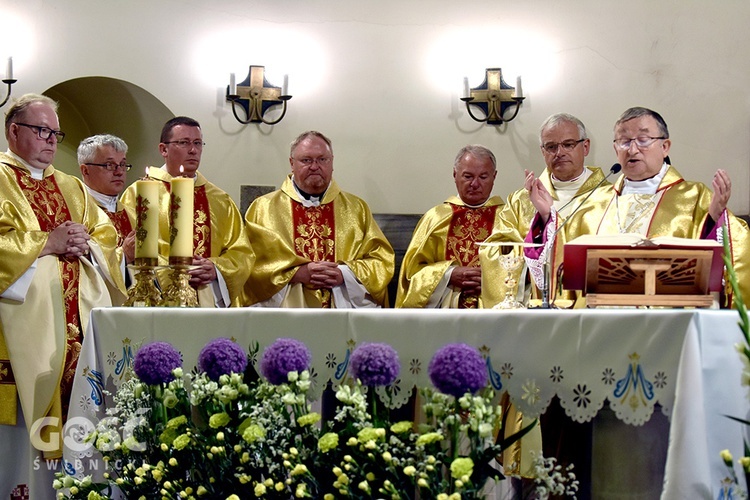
<point>143,293</point>
<point>179,293</point>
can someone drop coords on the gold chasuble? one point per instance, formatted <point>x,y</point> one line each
<point>519,212</point>
<point>445,236</point>
<point>42,331</point>
<point>122,224</point>
<point>678,208</point>
<point>218,233</point>
<point>285,234</point>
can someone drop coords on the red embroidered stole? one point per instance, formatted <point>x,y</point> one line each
<point>201,221</point>
<point>315,237</point>
<point>468,226</point>
<point>50,209</point>
<point>122,224</point>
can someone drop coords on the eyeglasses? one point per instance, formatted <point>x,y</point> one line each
<point>641,142</point>
<point>112,166</point>
<point>44,132</point>
<point>186,144</point>
<point>567,146</point>
<point>323,161</point>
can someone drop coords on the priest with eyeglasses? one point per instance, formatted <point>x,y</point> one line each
<point>316,246</point>
<point>53,239</point>
<point>650,198</point>
<point>104,167</point>
<point>564,144</point>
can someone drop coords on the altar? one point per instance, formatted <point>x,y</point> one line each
<point>680,362</point>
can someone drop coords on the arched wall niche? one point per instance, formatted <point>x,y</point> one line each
<point>100,105</point>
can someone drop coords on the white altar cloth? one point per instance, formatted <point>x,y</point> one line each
<point>684,360</point>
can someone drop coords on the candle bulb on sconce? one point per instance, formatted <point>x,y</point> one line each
<point>519,91</point>
<point>466,88</point>
<point>8,80</point>
<point>232,84</point>
<point>285,86</point>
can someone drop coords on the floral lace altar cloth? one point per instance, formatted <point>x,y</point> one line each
<point>683,360</point>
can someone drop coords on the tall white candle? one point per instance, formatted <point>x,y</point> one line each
<point>147,219</point>
<point>9,69</point>
<point>466,87</point>
<point>181,217</point>
<point>285,86</point>
<point>232,85</point>
<point>519,90</point>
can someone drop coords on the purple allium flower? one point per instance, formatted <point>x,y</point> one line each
<point>282,357</point>
<point>154,363</point>
<point>221,357</point>
<point>456,369</point>
<point>374,364</point>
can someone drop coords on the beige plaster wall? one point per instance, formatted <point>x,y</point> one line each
<point>383,78</point>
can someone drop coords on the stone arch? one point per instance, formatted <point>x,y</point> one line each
<point>98,105</point>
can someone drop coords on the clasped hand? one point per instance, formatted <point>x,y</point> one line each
<point>203,273</point>
<point>467,279</point>
<point>317,275</point>
<point>69,240</point>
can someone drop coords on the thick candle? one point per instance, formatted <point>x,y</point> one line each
<point>147,220</point>
<point>181,218</point>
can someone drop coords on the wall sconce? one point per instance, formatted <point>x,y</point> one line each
<point>257,95</point>
<point>493,97</point>
<point>9,80</point>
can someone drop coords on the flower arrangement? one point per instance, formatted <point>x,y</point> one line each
<point>731,487</point>
<point>222,432</point>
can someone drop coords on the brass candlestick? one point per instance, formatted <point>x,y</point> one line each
<point>144,293</point>
<point>178,292</point>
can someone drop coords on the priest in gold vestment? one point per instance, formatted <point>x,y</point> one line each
<point>441,266</point>
<point>222,257</point>
<point>57,247</point>
<point>650,198</point>
<point>316,245</point>
<point>564,144</point>
<point>103,163</point>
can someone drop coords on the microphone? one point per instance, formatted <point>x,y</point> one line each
<point>545,267</point>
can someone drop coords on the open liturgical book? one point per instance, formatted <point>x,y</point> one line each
<point>631,270</point>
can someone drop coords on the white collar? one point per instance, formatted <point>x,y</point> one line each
<point>571,185</point>
<point>646,186</point>
<point>108,202</point>
<point>36,173</point>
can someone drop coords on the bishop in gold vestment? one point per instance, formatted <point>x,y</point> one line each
<point>564,144</point>
<point>650,198</point>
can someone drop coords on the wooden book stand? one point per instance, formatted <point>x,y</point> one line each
<point>680,273</point>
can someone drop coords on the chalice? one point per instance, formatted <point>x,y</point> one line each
<point>508,257</point>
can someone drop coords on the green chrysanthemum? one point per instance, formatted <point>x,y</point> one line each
<point>328,442</point>
<point>461,467</point>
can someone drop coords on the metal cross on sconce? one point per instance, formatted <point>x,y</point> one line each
<point>493,97</point>
<point>256,95</point>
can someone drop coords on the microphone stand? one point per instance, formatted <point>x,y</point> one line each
<point>546,264</point>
